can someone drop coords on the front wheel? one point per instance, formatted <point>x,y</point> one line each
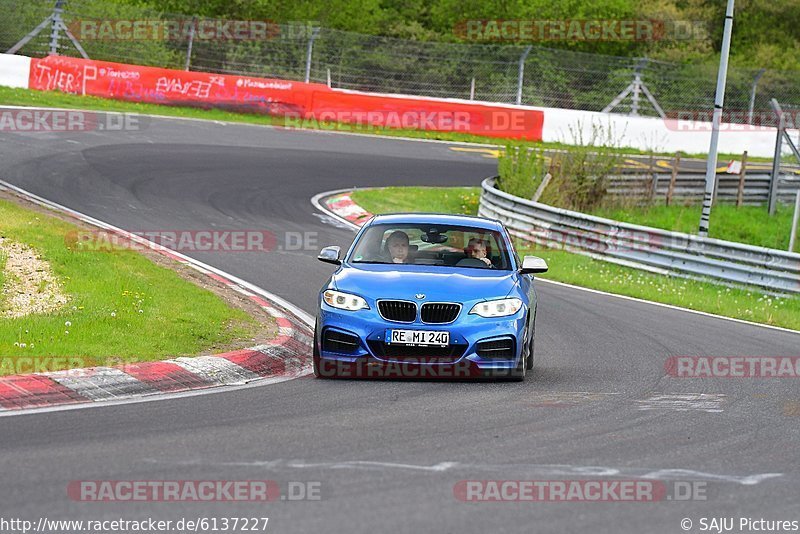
<point>529,359</point>
<point>518,373</point>
<point>316,359</point>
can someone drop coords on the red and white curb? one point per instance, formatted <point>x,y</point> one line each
<point>343,206</point>
<point>286,357</point>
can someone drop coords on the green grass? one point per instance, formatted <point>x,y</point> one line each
<point>419,199</point>
<point>25,97</point>
<point>583,271</point>
<point>748,224</point>
<point>122,308</point>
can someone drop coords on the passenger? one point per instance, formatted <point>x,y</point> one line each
<point>476,248</point>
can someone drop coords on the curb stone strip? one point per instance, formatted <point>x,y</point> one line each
<point>102,383</point>
<point>288,355</point>
<point>343,206</point>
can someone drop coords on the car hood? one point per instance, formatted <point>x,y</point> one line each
<point>374,281</point>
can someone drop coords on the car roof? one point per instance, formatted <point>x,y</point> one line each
<point>437,218</point>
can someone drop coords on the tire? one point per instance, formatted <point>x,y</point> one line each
<point>518,373</point>
<point>316,360</point>
<point>529,359</point>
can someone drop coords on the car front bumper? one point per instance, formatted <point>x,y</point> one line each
<point>371,332</point>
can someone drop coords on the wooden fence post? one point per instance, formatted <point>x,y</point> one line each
<point>742,174</point>
<point>674,178</point>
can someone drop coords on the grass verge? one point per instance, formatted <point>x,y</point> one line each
<point>419,199</point>
<point>124,306</point>
<point>595,274</point>
<point>26,97</point>
<point>748,224</point>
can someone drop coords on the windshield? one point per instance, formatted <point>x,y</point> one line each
<point>452,246</point>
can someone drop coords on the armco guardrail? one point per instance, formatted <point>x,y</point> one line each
<point>641,247</point>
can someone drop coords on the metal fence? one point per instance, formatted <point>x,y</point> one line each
<point>690,187</point>
<point>487,72</point>
<point>651,249</point>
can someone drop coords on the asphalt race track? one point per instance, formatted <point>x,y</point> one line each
<point>387,454</point>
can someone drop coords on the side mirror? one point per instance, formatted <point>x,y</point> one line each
<point>532,265</point>
<point>330,255</point>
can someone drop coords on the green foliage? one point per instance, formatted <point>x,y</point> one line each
<point>766,32</point>
<point>581,171</point>
<point>462,200</point>
<point>521,170</point>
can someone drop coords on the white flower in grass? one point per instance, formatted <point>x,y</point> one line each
<point>68,324</point>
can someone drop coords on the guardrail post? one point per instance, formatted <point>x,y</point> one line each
<point>793,237</point>
<point>653,179</point>
<point>742,175</point>
<point>674,178</point>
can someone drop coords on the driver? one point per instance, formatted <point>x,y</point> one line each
<point>476,248</point>
<point>397,245</point>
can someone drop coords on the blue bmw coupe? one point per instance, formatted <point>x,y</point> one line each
<point>425,295</point>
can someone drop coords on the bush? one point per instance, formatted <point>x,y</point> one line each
<point>521,170</point>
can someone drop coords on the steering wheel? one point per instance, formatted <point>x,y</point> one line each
<point>472,262</point>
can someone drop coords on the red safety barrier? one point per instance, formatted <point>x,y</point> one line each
<point>298,102</point>
<point>165,86</point>
<point>428,114</point>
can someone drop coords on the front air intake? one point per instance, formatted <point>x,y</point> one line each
<point>500,349</point>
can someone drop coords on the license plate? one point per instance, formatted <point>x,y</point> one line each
<point>422,338</point>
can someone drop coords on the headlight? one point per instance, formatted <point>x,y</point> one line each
<point>497,308</point>
<point>344,301</point>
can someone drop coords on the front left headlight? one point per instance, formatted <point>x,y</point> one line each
<point>497,308</point>
<point>344,301</point>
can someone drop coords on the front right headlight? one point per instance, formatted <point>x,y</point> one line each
<point>497,308</point>
<point>344,301</point>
